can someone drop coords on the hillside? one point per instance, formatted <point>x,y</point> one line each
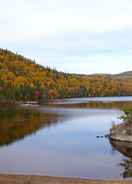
<point>23,79</point>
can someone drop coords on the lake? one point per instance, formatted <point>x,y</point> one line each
<point>60,139</point>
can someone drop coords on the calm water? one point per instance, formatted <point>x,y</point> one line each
<point>60,139</point>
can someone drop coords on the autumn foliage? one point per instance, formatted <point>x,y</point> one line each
<point>23,79</point>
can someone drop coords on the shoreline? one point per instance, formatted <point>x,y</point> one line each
<point>32,179</point>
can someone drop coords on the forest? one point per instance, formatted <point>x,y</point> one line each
<point>22,79</point>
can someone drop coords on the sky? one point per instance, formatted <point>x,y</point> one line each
<point>76,36</point>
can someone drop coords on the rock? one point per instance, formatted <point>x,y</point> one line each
<point>122,133</point>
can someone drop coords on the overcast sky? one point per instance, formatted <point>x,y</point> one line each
<point>78,36</point>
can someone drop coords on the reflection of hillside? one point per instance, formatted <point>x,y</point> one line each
<point>15,124</point>
<point>126,149</point>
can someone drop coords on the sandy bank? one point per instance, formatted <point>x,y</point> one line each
<point>21,179</point>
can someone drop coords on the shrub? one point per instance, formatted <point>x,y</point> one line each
<point>127,117</point>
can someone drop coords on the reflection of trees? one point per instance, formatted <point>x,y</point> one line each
<point>97,104</point>
<point>127,165</point>
<point>126,149</point>
<point>16,123</point>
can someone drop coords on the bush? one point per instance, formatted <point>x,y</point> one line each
<point>127,117</point>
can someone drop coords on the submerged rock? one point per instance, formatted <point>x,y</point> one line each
<point>124,148</point>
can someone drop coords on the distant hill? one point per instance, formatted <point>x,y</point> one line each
<point>125,75</point>
<point>24,79</point>
<point>120,75</point>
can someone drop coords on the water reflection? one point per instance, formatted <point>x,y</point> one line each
<point>16,123</point>
<point>124,148</point>
<point>70,148</point>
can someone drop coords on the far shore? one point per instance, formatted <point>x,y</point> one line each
<point>30,179</point>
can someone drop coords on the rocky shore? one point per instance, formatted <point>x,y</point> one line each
<point>122,132</point>
<point>21,179</point>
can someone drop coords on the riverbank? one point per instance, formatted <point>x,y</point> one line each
<point>21,179</point>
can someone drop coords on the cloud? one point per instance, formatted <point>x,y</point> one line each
<point>92,64</point>
<point>72,35</point>
<point>30,19</point>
